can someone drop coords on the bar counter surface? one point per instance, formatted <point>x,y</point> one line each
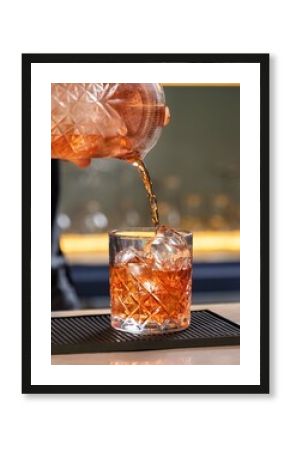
<point>223,355</point>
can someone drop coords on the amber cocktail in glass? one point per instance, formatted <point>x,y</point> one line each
<point>150,280</point>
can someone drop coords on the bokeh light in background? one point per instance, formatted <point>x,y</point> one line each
<point>195,169</point>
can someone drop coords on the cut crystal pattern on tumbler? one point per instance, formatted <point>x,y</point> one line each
<point>151,289</point>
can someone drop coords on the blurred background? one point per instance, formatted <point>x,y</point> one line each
<point>195,170</point>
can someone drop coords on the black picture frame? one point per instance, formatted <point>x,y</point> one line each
<point>263,61</point>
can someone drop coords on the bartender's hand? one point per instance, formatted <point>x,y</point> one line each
<point>77,162</point>
<point>81,162</point>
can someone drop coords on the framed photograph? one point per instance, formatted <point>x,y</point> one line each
<point>145,223</point>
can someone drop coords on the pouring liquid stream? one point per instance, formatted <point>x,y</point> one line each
<point>144,174</point>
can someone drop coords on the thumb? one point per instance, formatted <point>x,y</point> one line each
<point>81,162</point>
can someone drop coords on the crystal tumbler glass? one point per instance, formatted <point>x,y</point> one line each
<point>150,280</point>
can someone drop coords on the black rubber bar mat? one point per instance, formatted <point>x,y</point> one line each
<point>94,334</point>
